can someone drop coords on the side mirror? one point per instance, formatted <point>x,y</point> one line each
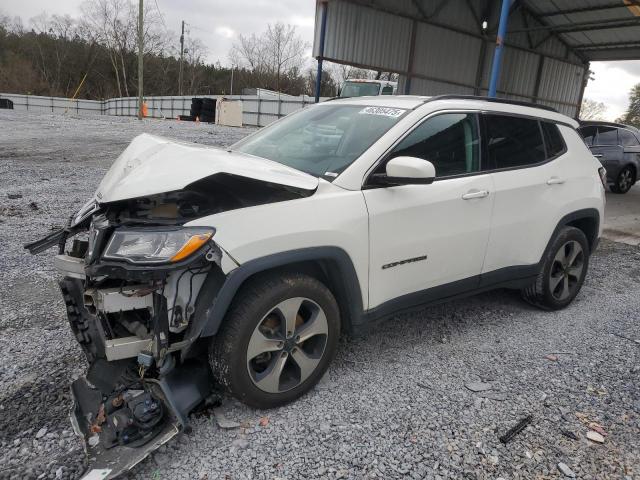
<point>406,171</point>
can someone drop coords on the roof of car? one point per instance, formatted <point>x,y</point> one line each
<point>461,101</point>
<point>586,123</point>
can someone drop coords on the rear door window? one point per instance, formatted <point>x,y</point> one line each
<point>512,141</point>
<point>627,138</point>
<point>607,136</point>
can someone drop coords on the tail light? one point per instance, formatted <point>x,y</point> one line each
<point>603,176</point>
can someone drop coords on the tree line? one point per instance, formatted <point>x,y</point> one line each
<point>94,56</point>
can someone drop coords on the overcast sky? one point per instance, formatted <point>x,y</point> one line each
<point>218,22</point>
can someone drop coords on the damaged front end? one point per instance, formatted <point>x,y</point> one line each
<point>138,286</point>
<point>131,291</point>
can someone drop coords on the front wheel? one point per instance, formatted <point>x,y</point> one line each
<point>277,340</point>
<point>563,271</point>
<point>624,181</point>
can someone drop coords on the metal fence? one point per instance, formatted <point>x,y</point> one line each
<point>256,110</point>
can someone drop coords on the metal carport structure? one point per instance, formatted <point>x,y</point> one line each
<point>447,46</point>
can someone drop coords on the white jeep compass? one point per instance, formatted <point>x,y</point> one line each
<point>194,267</point>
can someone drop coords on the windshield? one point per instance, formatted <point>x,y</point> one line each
<point>323,140</point>
<point>359,89</point>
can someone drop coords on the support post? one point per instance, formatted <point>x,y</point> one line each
<point>585,80</point>
<point>497,54</point>
<point>412,52</point>
<point>140,59</point>
<point>181,58</point>
<point>323,28</point>
<point>536,85</point>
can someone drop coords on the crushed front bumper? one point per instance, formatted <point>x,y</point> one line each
<point>107,463</point>
<point>177,388</point>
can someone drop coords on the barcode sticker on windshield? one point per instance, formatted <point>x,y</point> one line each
<point>385,111</point>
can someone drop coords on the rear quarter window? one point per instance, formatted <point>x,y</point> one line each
<point>553,139</point>
<point>627,138</point>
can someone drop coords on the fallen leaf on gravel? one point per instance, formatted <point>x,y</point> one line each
<point>222,421</point>
<point>595,437</point>
<point>478,386</point>
<point>598,428</point>
<point>583,417</point>
<point>264,421</point>
<point>552,358</point>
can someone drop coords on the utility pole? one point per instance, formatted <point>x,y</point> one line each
<point>140,62</point>
<point>181,57</point>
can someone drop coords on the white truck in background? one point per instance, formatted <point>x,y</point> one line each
<point>362,87</point>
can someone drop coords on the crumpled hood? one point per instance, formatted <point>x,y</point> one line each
<point>151,165</point>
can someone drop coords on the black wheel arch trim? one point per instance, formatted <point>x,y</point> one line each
<point>583,214</point>
<point>212,315</point>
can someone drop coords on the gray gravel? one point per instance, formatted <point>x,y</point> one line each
<point>423,395</point>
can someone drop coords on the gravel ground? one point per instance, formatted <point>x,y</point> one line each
<point>398,402</point>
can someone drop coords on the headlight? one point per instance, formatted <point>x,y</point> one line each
<point>156,246</point>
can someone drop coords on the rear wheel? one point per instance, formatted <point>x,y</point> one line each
<point>562,273</point>
<point>278,339</point>
<point>624,181</point>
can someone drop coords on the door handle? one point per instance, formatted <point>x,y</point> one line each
<point>598,155</point>
<point>555,181</point>
<point>475,194</point>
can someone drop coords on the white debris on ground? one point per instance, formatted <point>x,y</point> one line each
<point>423,395</point>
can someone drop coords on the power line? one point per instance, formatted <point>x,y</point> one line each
<point>161,17</point>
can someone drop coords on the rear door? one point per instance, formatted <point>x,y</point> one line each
<point>608,149</point>
<point>529,187</point>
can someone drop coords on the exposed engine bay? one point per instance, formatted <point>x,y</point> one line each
<point>137,284</point>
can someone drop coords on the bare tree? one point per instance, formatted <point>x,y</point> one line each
<point>113,23</point>
<point>592,110</point>
<point>195,52</point>
<point>277,51</point>
<point>54,56</point>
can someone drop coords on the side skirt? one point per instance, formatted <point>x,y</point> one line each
<point>510,277</point>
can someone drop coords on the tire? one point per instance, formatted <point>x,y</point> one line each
<point>624,180</point>
<point>253,356</point>
<point>561,276</point>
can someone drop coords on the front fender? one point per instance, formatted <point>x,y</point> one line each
<point>218,291</point>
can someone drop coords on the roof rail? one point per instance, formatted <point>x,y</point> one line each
<point>492,100</point>
<point>603,123</point>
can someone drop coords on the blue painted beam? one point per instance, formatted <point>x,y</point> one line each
<point>497,54</point>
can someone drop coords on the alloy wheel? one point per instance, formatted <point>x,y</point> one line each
<point>287,345</point>
<point>566,270</point>
<point>624,180</point>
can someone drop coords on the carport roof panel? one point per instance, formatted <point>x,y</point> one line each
<point>596,29</point>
